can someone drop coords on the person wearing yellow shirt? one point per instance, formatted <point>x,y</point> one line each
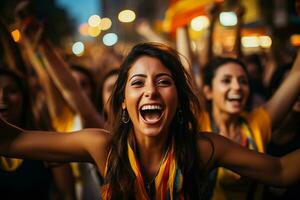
<point>226,88</point>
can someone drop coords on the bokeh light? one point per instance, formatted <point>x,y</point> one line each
<point>78,48</point>
<point>110,39</point>
<point>295,39</point>
<point>16,34</point>
<point>94,20</point>
<point>228,18</point>
<point>105,23</point>
<point>126,16</point>
<point>84,29</point>
<point>256,41</point>
<point>265,41</point>
<point>250,41</point>
<point>199,23</point>
<point>94,31</point>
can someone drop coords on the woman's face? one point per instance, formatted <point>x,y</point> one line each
<point>108,86</point>
<point>150,97</point>
<point>11,99</point>
<point>230,89</point>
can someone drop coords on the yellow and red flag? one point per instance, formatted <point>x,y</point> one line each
<point>252,13</point>
<point>181,12</point>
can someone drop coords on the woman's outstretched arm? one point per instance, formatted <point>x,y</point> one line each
<point>87,145</point>
<point>275,171</point>
<point>70,89</point>
<point>285,96</point>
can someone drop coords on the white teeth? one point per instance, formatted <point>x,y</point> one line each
<point>151,107</point>
<point>235,96</point>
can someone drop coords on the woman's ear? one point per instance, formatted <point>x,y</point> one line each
<point>207,92</point>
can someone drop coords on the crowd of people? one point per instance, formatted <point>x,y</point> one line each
<point>143,125</point>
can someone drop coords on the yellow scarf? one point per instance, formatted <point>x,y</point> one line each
<point>168,181</point>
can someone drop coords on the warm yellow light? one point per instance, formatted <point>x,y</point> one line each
<point>84,29</point>
<point>199,23</point>
<point>126,16</point>
<point>16,34</point>
<point>105,23</point>
<point>250,41</point>
<point>295,40</point>
<point>94,31</point>
<point>94,20</point>
<point>265,41</point>
<point>229,41</point>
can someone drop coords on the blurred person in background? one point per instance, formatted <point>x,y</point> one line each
<point>105,89</point>
<point>24,178</point>
<point>227,90</point>
<point>286,137</point>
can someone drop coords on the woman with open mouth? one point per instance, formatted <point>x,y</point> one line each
<point>26,178</point>
<point>154,149</point>
<point>226,88</point>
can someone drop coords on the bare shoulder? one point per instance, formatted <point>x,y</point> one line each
<point>220,148</point>
<point>95,137</point>
<point>206,147</point>
<point>97,143</point>
<point>209,146</point>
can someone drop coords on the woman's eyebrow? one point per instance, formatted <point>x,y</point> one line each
<point>145,76</point>
<point>164,74</point>
<point>135,75</point>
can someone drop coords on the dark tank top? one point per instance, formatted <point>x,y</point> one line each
<point>30,181</point>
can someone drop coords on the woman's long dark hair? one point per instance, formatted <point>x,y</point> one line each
<point>120,175</point>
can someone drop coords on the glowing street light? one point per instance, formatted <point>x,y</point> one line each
<point>265,41</point>
<point>295,39</point>
<point>16,34</point>
<point>105,23</point>
<point>126,16</point>
<point>250,41</point>
<point>94,20</point>
<point>199,23</point>
<point>256,41</point>
<point>94,31</point>
<point>228,18</point>
<point>78,48</point>
<point>110,39</point>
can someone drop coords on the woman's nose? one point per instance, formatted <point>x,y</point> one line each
<point>151,90</point>
<point>236,84</point>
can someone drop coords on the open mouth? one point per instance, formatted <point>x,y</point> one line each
<point>235,97</point>
<point>151,113</point>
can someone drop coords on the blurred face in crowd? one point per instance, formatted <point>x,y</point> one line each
<point>108,86</point>
<point>11,99</point>
<point>229,91</point>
